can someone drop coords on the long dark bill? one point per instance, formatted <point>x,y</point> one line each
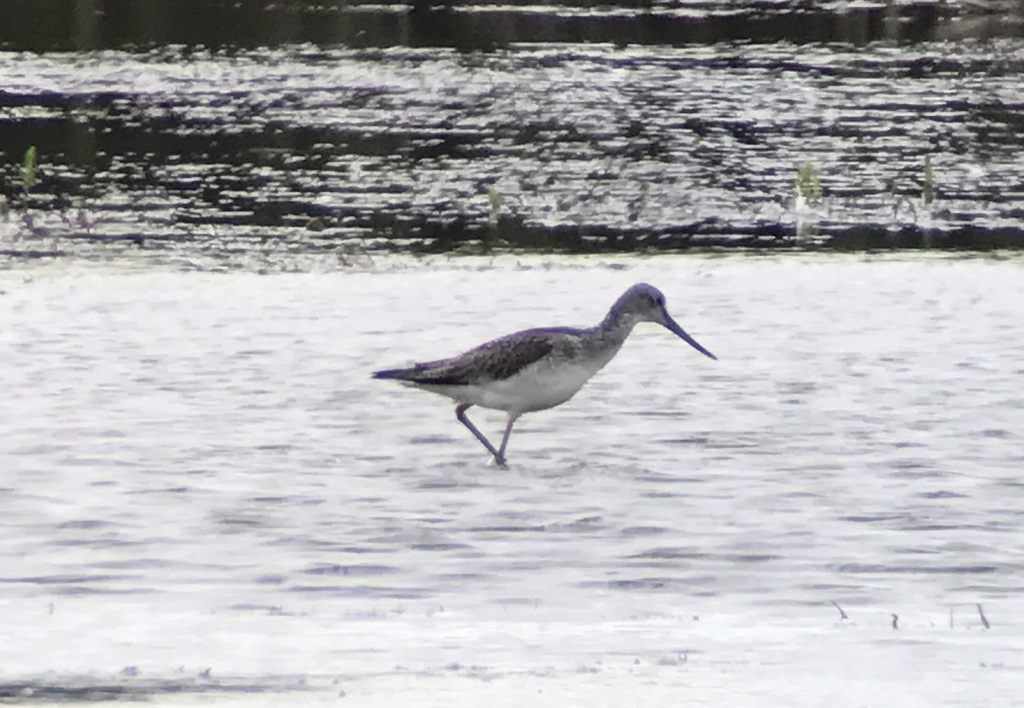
<point>671,325</point>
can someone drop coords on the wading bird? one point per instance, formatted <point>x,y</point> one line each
<point>538,368</point>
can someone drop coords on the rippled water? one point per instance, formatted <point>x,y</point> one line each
<point>589,146</point>
<point>203,488</point>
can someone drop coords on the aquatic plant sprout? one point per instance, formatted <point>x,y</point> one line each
<point>28,169</point>
<point>494,202</point>
<point>928,179</point>
<point>807,187</point>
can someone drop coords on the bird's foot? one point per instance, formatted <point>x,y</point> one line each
<point>500,461</point>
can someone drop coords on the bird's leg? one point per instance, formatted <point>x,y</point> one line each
<point>460,413</point>
<point>504,440</point>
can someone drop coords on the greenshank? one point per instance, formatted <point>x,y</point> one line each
<point>539,368</point>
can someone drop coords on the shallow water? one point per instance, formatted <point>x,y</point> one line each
<point>199,475</point>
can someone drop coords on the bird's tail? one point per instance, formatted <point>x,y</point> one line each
<point>399,374</point>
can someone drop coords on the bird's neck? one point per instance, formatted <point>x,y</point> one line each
<point>607,338</point>
<point>616,326</point>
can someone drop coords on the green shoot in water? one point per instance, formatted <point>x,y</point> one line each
<point>807,187</point>
<point>928,190</point>
<point>494,200</point>
<point>28,169</point>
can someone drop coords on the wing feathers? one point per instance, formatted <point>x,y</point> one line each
<point>494,361</point>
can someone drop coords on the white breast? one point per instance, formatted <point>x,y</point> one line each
<point>542,385</point>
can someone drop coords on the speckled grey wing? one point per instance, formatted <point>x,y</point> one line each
<point>496,360</point>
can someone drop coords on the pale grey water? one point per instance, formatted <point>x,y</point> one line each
<point>198,473</point>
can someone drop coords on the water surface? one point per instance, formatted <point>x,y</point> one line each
<point>564,128</point>
<point>203,488</point>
